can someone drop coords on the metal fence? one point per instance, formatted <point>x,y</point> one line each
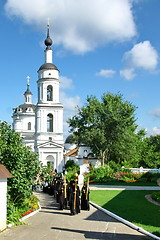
<point>144,170</point>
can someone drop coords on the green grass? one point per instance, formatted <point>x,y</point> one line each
<point>130,205</point>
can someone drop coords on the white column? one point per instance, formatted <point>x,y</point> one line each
<point>48,56</point>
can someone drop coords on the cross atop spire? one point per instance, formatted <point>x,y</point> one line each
<point>48,41</point>
<point>48,23</point>
<point>28,94</point>
<point>28,80</point>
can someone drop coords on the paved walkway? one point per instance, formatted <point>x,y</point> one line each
<point>51,223</point>
<point>112,187</point>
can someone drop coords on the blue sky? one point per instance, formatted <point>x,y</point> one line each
<point>99,46</point>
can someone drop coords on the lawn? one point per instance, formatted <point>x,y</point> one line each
<point>130,205</point>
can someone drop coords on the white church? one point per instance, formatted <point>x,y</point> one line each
<point>41,125</point>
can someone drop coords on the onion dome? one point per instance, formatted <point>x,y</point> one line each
<point>48,41</point>
<point>47,66</point>
<point>28,90</point>
<point>25,108</point>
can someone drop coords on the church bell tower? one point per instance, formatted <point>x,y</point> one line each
<point>49,112</point>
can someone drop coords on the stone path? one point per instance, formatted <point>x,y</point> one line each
<point>112,187</point>
<point>51,223</point>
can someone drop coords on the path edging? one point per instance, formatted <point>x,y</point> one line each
<point>139,229</point>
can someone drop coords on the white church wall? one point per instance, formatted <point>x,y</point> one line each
<point>25,121</point>
<point>30,144</point>
<point>83,151</point>
<point>57,157</point>
<point>57,122</point>
<point>3,203</point>
<point>43,90</point>
<point>48,56</point>
<point>39,136</point>
<point>17,124</point>
<point>48,74</point>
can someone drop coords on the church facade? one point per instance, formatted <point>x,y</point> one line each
<point>41,125</point>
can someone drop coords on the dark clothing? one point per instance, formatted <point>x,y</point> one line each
<point>61,196</point>
<point>74,201</point>
<point>85,198</point>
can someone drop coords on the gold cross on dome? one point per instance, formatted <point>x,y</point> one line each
<point>48,23</point>
<point>28,80</point>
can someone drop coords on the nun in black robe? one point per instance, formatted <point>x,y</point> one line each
<point>85,197</point>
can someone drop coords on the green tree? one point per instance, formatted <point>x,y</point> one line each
<point>127,151</point>
<point>20,161</point>
<point>107,127</point>
<point>72,166</point>
<point>150,157</point>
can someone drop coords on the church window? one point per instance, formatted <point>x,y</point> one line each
<point>49,93</point>
<point>29,126</point>
<point>49,122</point>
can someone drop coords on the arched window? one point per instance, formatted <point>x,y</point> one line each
<point>49,93</point>
<point>29,125</point>
<point>49,122</point>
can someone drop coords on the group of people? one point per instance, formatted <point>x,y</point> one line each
<point>68,194</point>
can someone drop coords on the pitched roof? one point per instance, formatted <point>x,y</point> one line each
<point>4,173</point>
<point>72,153</point>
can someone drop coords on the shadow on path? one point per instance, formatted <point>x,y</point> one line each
<point>100,235</point>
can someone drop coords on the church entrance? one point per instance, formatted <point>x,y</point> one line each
<point>50,161</point>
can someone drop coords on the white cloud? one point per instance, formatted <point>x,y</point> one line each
<point>128,73</point>
<point>66,83</point>
<point>152,131</point>
<point>155,112</point>
<point>107,73</point>
<point>70,104</point>
<point>142,55</point>
<point>80,25</point>
<point>156,130</point>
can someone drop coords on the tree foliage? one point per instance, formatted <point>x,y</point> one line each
<point>20,161</point>
<point>150,157</point>
<point>72,166</point>
<point>107,127</point>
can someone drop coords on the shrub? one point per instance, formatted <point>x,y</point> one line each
<point>114,166</point>
<point>100,174</point>
<point>156,196</point>
<point>71,165</point>
<point>16,211</point>
<point>71,175</point>
<point>151,177</point>
<point>127,176</point>
<point>31,202</point>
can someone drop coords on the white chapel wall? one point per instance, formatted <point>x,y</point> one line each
<point>3,203</point>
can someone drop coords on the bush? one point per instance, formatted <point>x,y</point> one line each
<point>31,202</point>
<point>156,196</point>
<point>16,211</point>
<point>71,165</point>
<point>124,176</point>
<point>115,166</point>
<point>70,175</point>
<point>151,177</point>
<point>100,174</point>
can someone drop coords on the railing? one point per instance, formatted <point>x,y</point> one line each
<point>144,170</point>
